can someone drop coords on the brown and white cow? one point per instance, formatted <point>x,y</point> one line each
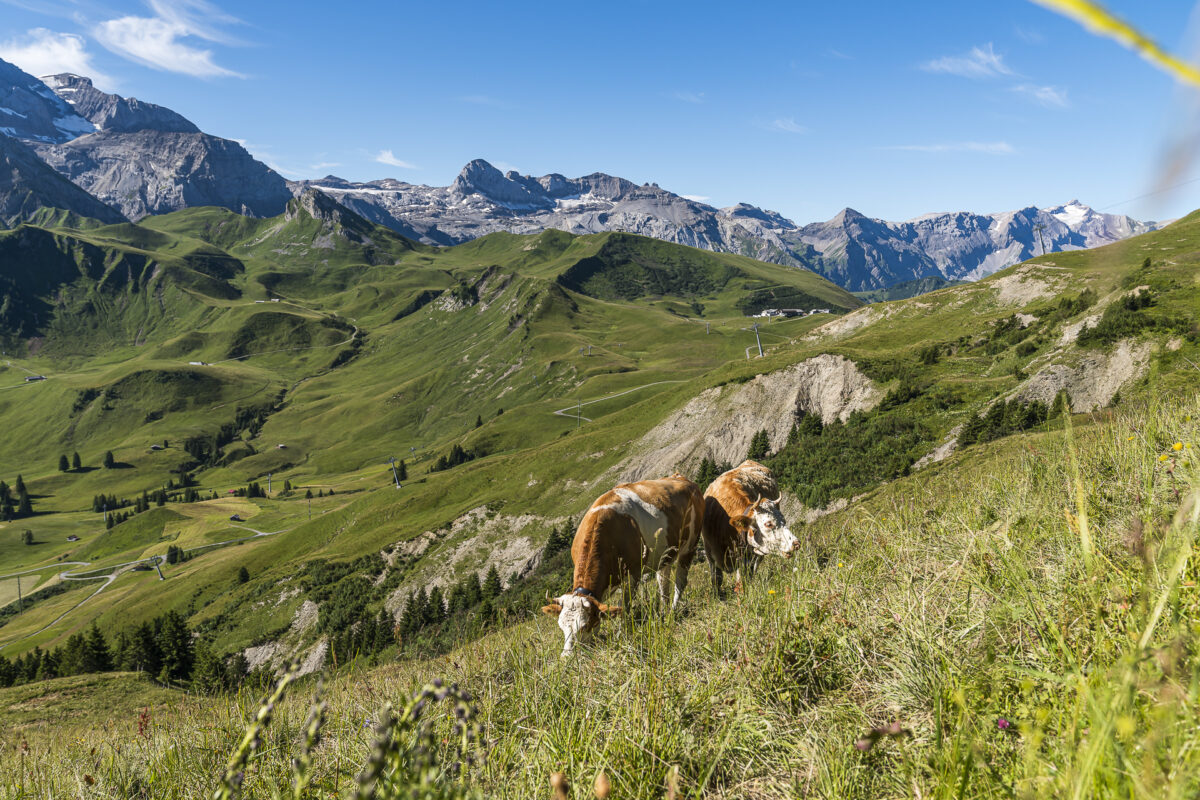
<point>742,521</point>
<point>648,526</point>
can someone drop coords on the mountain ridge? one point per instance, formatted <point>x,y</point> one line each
<point>858,252</point>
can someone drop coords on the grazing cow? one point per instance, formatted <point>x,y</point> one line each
<point>635,528</point>
<point>742,522</point>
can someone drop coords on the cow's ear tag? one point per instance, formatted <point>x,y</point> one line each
<point>586,604</point>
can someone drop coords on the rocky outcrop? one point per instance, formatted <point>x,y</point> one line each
<point>474,542</point>
<point>113,113</point>
<point>28,186</point>
<point>31,112</point>
<point>1093,380</point>
<point>719,422</point>
<point>155,172</point>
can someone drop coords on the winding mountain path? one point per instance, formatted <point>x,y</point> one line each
<point>113,572</point>
<point>562,412</point>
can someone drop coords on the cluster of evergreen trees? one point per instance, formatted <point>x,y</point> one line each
<point>14,501</point>
<point>159,497</point>
<point>822,462</point>
<point>369,635</point>
<point>709,471</point>
<point>1005,418</point>
<point>176,555</point>
<point>251,490</point>
<point>456,456</point>
<point>75,463</point>
<point>207,449</point>
<point>163,647</point>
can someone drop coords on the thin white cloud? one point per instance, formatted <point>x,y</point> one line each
<point>696,198</point>
<point>160,42</point>
<point>989,148</point>
<point>324,165</point>
<point>695,98</point>
<point>1048,96</point>
<point>389,158</point>
<point>838,54</point>
<point>787,125</point>
<point>46,52</point>
<point>980,62</point>
<point>1030,35</point>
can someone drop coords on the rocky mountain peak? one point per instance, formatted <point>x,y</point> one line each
<point>113,113</point>
<point>31,112</point>
<point>317,205</point>
<point>513,190</point>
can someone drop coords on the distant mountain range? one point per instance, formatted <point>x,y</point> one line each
<point>138,159</point>
<point>855,251</point>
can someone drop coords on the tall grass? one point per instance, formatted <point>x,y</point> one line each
<point>1021,621</point>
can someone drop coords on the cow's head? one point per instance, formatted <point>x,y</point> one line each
<point>765,529</point>
<point>578,615</point>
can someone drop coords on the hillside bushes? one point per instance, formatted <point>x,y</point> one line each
<point>843,460</point>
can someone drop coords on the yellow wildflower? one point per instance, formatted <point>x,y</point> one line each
<point>1163,457</point>
<point>1177,446</point>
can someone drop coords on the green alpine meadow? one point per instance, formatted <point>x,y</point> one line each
<point>522,486</point>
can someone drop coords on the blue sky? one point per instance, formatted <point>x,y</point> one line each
<point>895,109</point>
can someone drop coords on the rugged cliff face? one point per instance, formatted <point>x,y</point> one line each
<point>28,188</point>
<point>113,113</point>
<point>149,172</point>
<point>720,422</point>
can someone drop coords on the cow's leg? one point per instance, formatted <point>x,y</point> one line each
<point>663,577</point>
<point>717,577</point>
<point>683,566</point>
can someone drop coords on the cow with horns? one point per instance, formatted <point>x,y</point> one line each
<point>742,522</point>
<point>647,526</point>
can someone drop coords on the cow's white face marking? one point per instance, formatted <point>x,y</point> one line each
<point>576,619</point>
<point>769,534</point>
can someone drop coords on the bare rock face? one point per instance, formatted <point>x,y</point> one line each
<point>1093,381</point>
<point>31,112</point>
<point>113,113</point>
<point>27,185</point>
<point>719,422</point>
<point>155,172</point>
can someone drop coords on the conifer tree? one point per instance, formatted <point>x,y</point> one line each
<point>96,656</point>
<point>492,587</point>
<point>109,461</point>
<point>63,463</point>
<point>175,643</point>
<point>760,446</point>
<point>208,674</point>
<point>437,606</point>
<point>473,590</point>
<point>76,462</point>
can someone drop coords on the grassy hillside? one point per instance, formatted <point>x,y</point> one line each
<point>952,635</point>
<point>944,588</point>
<point>335,345</point>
